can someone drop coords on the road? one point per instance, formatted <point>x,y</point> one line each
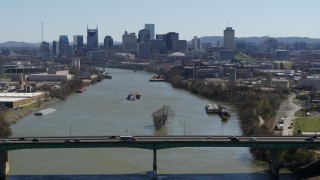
<point>291,109</point>
<point>106,139</point>
<point>287,110</point>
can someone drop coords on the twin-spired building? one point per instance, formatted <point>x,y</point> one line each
<point>92,38</point>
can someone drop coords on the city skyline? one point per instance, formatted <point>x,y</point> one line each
<point>189,18</point>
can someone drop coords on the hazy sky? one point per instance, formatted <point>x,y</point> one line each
<point>21,19</point>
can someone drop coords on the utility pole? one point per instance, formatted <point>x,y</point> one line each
<point>184,128</point>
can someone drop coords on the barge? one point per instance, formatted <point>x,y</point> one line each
<point>44,112</point>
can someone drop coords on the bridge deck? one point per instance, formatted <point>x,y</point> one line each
<point>156,142</point>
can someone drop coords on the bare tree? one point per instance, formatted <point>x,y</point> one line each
<point>161,116</point>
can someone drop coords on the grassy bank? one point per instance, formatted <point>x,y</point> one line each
<point>307,124</point>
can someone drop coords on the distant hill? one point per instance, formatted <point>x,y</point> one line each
<point>259,40</point>
<point>18,44</point>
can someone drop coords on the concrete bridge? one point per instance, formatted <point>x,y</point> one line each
<point>155,143</point>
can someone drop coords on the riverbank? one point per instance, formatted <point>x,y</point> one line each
<point>13,116</point>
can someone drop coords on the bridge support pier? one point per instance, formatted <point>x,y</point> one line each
<point>274,162</point>
<point>3,164</point>
<point>155,167</point>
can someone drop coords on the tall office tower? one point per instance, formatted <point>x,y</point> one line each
<point>150,27</point>
<point>77,42</point>
<point>55,48</point>
<point>228,39</point>
<point>108,42</point>
<point>92,38</point>
<point>129,42</point>
<point>44,49</point>
<point>63,45</point>
<point>196,43</point>
<point>171,36</point>
<point>144,35</point>
<point>1,66</point>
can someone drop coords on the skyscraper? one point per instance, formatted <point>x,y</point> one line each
<point>228,39</point>
<point>150,27</point>
<point>171,36</point>
<point>196,43</point>
<point>77,42</point>
<point>44,49</point>
<point>92,38</point>
<point>63,45</point>
<point>55,48</point>
<point>144,35</point>
<point>129,42</point>
<point>108,42</point>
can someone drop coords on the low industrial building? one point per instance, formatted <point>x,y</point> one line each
<point>311,82</point>
<point>51,76</point>
<point>202,72</point>
<point>12,100</point>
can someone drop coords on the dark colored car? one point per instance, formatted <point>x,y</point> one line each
<point>314,137</point>
<point>22,139</point>
<point>309,139</point>
<point>234,139</point>
<point>35,140</point>
<point>112,137</point>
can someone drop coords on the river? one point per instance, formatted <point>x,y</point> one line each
<point>104,110</point>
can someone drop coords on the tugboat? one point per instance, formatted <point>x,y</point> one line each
<point>224,112</point>
<point>131,97</point>
<point>138,95</point>
<point>107,75</point>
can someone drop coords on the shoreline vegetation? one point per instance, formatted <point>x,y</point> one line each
<point>12,116</point>
<point>251,105</point>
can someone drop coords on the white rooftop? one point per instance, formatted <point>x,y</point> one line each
<point>20,95</point>
<point>177,54</point>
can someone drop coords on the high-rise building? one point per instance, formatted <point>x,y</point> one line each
<point>150,27</point>
<point>144,49</point>
<point>171,36</point>
<point>77,42</point>
<point>92,38</point>
<point>179,45</point>
<point>228,39</point>
<point>144,35</point>
<point>63,45</point>
<point>108,42</point>
<point>196,43</point>
<point>161,36</point>
<point>129,42</point>
<point>158,46</point>
<point>44,49</point>
<point>55,48</point>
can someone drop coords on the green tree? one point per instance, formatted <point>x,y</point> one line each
<point>5,130</point>
<point>161,116</point>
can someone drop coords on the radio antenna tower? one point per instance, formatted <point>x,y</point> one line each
<point>42,32</point>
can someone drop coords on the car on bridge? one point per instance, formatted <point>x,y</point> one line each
<point>314,137</point>
<point>35,140</point>
<point>252,139</point>
<point>309,139</point>
<point>128,138</point>
<point>112,137</point>
<point>234,139</point>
